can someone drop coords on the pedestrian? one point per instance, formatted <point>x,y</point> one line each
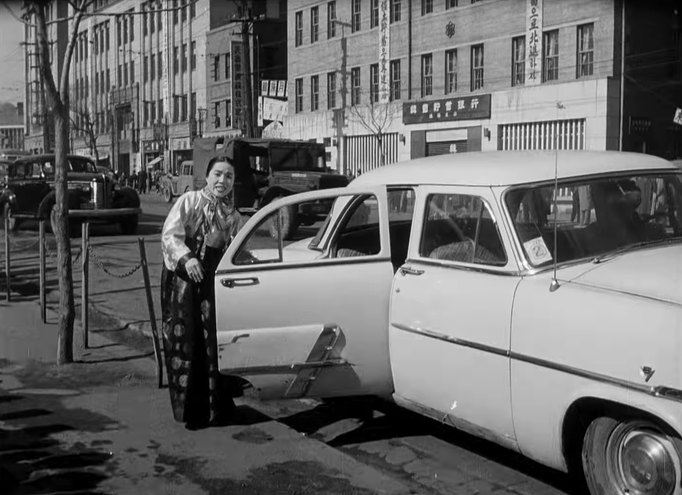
<point>142,181</point>
<point>198,229</point>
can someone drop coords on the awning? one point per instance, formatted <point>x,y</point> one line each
<point>155,161</point>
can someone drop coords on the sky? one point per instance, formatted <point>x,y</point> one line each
<point>11,53</point>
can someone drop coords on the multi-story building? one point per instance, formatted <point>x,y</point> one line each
<point>138,77</point>
<point>39,130</point>
<point>261,32</point>
<point>11,127</point>
<point>383,80</point>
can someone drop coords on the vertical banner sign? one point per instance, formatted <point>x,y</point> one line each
<point>384,51</point>
<point>533,42</point>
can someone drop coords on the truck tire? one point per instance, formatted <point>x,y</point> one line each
<point>288,223</point>
<point>167,195</point>
<point>12,221</point>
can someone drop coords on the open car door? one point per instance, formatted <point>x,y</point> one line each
<point>309,317</point>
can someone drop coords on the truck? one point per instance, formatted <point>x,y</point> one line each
<point>267,169</point>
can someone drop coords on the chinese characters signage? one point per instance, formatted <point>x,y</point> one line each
<point>461,108</point>
<point>533,42</point>
<point>384,51</point>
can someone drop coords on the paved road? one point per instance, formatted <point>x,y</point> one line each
<point>431,458</point>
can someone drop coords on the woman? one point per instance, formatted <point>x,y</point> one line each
<point>195,234</point>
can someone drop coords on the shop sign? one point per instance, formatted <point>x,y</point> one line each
<point>533,42</point>
<point>447,109</point>
<point>384,51</point>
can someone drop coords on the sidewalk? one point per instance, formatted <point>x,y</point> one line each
<point>104,420</point>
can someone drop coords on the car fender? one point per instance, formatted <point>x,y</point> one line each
<point>7,197</point>
<point>46,205</point>
<point>127,197</point>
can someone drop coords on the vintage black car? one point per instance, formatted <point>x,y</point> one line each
<point>29,193</point>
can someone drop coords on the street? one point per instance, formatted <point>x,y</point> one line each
<point>102,426</point>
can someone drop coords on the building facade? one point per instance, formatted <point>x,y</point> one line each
<point>385,80</point>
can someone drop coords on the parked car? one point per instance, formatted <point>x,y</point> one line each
<point>4,165</point>
<point>473,289</point>
<point>29,192</point>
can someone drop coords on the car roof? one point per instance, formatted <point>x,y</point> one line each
<point>503,168</point>
<point>48,156</point>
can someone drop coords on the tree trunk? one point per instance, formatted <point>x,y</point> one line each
<point>60,226</point>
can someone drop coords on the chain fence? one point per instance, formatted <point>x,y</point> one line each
<point>99,263</point>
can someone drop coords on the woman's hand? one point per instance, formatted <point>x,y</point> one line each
<point>194,270</point>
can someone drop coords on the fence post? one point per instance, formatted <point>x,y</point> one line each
<point>43,298</point>
<point>85,235</point>
<point>152,316</point>
<point>7,256</point>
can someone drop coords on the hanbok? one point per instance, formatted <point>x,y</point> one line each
<point>199,225</point>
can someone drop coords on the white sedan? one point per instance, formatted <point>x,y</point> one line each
<point>532,298</point>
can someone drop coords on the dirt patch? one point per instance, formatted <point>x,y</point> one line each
<point>253,435</point>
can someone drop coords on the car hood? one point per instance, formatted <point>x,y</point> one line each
<point>654,272</point>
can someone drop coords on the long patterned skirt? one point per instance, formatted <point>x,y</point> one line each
<point>190,348</point>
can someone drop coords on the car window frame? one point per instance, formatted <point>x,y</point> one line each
<point>490,198</point>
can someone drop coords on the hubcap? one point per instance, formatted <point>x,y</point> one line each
<point>642,462</point>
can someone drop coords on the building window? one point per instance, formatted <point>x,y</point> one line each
<point>374,14</point>
<point>550,52</point>
<point>374,83</point>
<point>175,11</point>
<point>216,114</point>
<point>427,7</point>
<point>299,28</point>
<point>176,60</point>
<point>518,60</point>
<point>395,10</point>
<point>355,86</point>
<point>145,71</point>
<point>216,67</point>
<point>228,113</point>
<point>427,75</point>
<point>355,16</point>
<point>145,31</point>
<point>450,71</point>
<point>159,61</point>
<point>331,17</point>
<point>450,4</point>
<point>183,14</point>
<point>132,25</point>
<point>331,90</point>
<point>227,65</point>
<point>184,57</point>
<point>152,62</point>
<point>193,60</point>
<point>314,24</point>
<point>585,63</point>
<point>193,106</point>
<point>314,93</point>
<point>476,67</point>
<point>395,80</point>
<point>299,95</point>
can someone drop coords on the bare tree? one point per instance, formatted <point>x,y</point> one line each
<point>58,101</point>
<point>377,119</point>
<point>82,121</point>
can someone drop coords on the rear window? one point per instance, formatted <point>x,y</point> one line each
<point>81,165</point>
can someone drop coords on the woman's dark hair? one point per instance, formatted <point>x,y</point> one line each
<point>218,159</point>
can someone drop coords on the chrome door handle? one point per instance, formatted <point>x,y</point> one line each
<point>239,282</point>
<point>408,270</point>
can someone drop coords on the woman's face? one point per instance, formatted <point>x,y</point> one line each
<point>220,179</point>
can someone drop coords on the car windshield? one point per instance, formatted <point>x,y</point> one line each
<point>596,216</point>
<point>81,165</point>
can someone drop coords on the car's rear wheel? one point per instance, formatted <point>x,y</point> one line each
<point>129,225</point>
<point>12,221</point>
<point>167,195</point>
<point>631,456</point>
<point>288,223</point>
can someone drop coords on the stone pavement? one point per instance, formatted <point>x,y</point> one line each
<point>102,424</point>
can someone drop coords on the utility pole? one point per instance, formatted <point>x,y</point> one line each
<point>340,113</point>
<point>246,76</point>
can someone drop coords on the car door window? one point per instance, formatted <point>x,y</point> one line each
<point>400,215</point>
<point>460,227</point>
<point>346,226</point>
<point>36,170</point>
